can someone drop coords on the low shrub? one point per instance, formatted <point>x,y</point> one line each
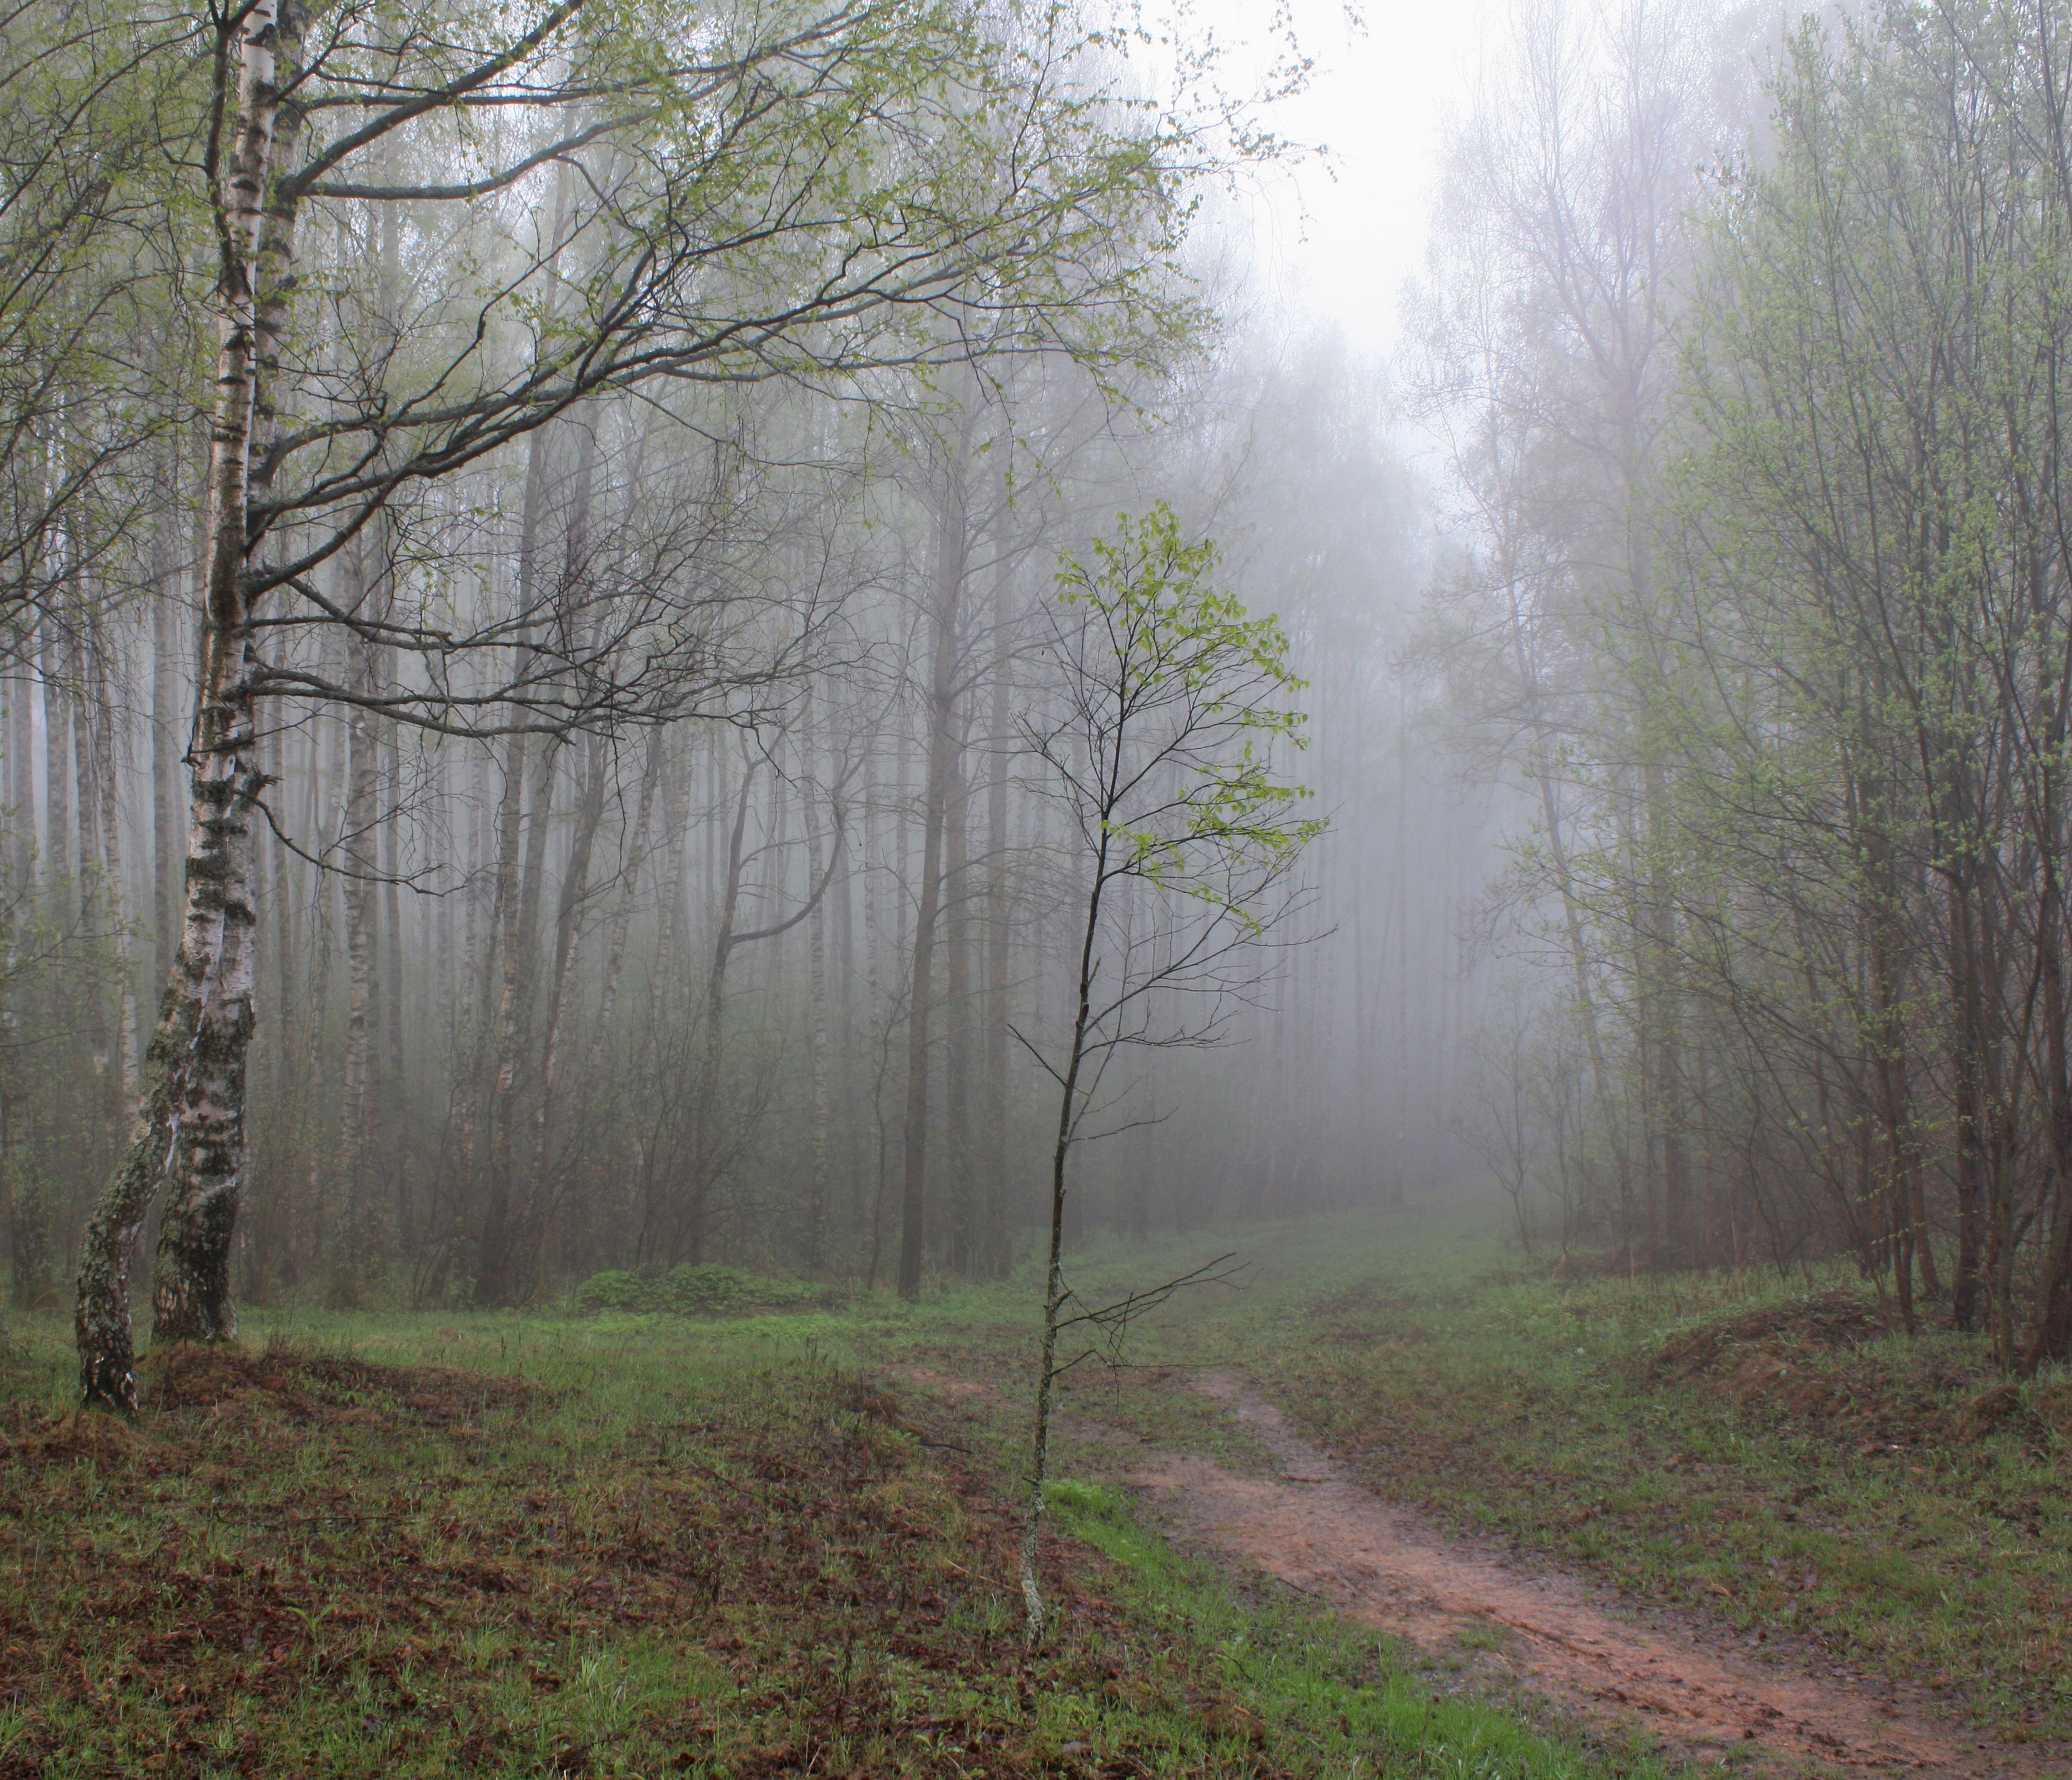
<point>707,1289</point>
<point>701,1289</point>
<point>617,1289</point>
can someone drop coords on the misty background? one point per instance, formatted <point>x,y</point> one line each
<point>1609,398</point>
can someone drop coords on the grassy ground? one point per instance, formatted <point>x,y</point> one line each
<point>1759,1449</point>
<point>631,1545</point>
<point>1756,1452</point>
<point>652,1545</point>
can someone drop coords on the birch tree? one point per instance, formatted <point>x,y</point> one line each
<point>780,192</point>
<point>1168,707</point>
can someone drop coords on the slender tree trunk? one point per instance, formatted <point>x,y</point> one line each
<point>27,1200</point>
<point>20,851</point>
<point>848,1092</point>
<point>630,867</point>
<point>1661,1010</point>
<point>493,1277</point>
<point>2051,1338</point>
<point>191,1115</point>
<point>128,1063</point>
<point>362,1236</point>
<point>536,1218</point>
<point>706,1150</point>
<point>168,733</point>
<point>816,992</point>
<point>956,1099</point>
<point>1053,1274</point>
<point>94,927</point>
<point>518,887</point>
<point>1969,1115</point>
<point>875,1006</point>
<point>275,1249</point>
<point>28,1245</point>
<point>57,762</point>
<point>992,1165</point>
<point>658,1206</point>
<point>394,1098</point>
<point>535,1211</point>
<point>951,545</point>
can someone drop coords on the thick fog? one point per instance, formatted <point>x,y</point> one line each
<point>554,641</point>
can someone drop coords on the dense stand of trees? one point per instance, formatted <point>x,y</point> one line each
<point>527,539</point>
<point>1755,392</point>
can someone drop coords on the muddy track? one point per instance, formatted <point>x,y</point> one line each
<point>1315,1529</point>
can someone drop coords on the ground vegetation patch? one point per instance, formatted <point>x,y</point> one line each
<point>653,1561</point>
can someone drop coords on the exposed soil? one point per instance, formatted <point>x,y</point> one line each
<point>1833,1321</point>
<point>1316,1530</point>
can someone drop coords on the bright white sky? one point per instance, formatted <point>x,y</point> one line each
<point>1339,237</point>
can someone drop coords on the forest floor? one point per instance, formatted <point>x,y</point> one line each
<point>1396,1507</point>
<point>544,1546</point>
<point>1737,1517</point>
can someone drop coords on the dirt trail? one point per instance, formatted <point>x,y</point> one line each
<point>1315,1528</point>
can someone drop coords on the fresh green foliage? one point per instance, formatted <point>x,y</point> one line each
<point>1170,698</point>
<point>694,1289</point>
<point>1180,698</point>
<point>618,1288</point>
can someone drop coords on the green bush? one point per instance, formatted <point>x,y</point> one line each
<point>705,1289</point>
<point>708,1290</point>
<point>616,1289</point>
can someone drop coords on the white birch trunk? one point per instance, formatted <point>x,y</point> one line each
<point>191,1112</point>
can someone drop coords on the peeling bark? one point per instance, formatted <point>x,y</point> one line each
<point>191,1296</point>
<point>190,1123</point>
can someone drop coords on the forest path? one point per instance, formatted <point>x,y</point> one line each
<point>1315,1529</point>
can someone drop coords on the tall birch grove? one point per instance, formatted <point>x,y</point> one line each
<point>526,535</point>
<point>527,538</point>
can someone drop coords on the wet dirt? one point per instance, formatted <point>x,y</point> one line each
<point>1311,1526</point>
<point>1315,1529</point>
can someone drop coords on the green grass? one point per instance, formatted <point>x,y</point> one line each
<point>1347,1701</point>
<point>633,1545</point>
<point>649,1545</point>
<point>1885,1503</point>
<point>1877,1505</point>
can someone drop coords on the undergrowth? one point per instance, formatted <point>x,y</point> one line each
<point>627,1544</point>
<point>528,1546</point>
